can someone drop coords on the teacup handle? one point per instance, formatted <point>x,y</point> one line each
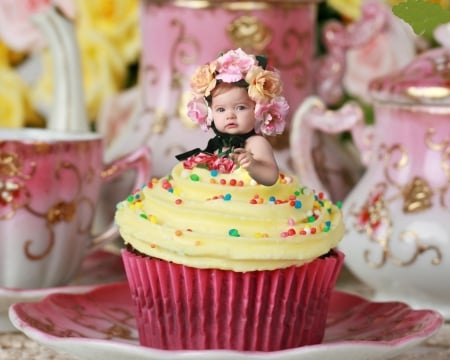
<point>138,160</point>
<point>313,115</point>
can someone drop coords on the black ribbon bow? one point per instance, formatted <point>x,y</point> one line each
<point>218,143</point>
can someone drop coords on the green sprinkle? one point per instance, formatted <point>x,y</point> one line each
<point>143,216</point>
<point>311,218</point>
<point>233,232</point>
<point>339,204</point>
<point>194,177</point>
<point>130,198</point>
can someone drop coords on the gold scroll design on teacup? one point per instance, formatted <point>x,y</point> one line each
<point>115,322</point>
<point>374,217</point>
<point>13,193</point>
<point>62,211</point>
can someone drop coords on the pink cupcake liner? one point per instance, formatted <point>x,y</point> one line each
<point>180,307</point>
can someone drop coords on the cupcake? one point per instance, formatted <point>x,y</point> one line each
<point>227,252</point>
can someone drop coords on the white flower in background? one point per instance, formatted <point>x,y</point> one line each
<point>442,35</point>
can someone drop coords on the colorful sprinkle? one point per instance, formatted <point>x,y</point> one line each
<point>178,201</point>
<point>178,233</point>
<point>233,232</point>
<point>194,177</point>
<point>227,197</point>
<point>214,173</point>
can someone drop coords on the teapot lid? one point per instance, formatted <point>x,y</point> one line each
<point>424,81</point>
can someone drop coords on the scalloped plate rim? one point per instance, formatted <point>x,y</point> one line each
<point>345,348</point>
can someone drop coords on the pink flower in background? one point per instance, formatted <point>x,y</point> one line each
<point>271,116</point>
<point>16,27</point>
<point>198,112</point>
<point>233,65</point>
<point>388,50</point>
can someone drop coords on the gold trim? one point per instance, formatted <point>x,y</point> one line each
<point>234,5</point>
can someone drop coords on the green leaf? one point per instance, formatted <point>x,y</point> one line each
<point>423,16</point>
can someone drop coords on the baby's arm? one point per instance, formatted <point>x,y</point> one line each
<point>258,159</point>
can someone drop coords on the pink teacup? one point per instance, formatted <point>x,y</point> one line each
<point>49,187</point>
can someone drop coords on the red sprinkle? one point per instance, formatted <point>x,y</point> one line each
<point>178,201</point>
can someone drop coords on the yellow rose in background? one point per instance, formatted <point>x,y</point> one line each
<point>15,104</point>
<point>117,20</point>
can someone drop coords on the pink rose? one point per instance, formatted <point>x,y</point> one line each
<point>198,111</point>
<point>271,116</point>
<point>233,65</point>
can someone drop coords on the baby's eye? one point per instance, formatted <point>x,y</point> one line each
<point>241,107</point>
<point>220,109</point>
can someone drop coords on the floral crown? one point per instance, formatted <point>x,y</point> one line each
<point>237,67</point>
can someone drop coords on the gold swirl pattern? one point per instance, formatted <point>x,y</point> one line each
<point>15,171</point>
<point>249,33</point>
<point>374,217</point>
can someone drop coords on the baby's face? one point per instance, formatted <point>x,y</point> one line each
<point>233,111</point>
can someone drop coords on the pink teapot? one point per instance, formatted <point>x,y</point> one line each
<point>398,215</point>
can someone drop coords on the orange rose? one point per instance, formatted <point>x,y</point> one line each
<point>203,80</point>
<point>264,85</point>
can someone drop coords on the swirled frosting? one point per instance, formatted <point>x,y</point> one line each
<point>207,219</point>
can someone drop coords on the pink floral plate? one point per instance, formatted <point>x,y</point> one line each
<point>100,267</point>
<point>100,325</point>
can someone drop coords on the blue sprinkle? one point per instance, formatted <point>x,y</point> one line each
<point>298,204</point>
<point>227,197</point>
<point>214,173</point>
<point>272,199</point>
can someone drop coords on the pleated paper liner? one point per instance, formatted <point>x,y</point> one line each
<point>180,307</point>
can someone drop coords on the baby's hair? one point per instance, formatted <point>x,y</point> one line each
<point>222,86</point>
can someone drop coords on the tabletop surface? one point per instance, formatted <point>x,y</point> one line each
<point>16,346</point>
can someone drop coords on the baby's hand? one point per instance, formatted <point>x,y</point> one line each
<point>243,157</point>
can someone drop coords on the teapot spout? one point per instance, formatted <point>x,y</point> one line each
<point>68,112</point>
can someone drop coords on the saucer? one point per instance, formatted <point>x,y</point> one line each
<point>100,267</point>
<point>100,325</point>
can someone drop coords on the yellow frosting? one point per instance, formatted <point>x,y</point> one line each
<point>205,219</point>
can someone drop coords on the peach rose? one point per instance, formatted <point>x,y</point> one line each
<point>264,85</point>
<point>203,80</point>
